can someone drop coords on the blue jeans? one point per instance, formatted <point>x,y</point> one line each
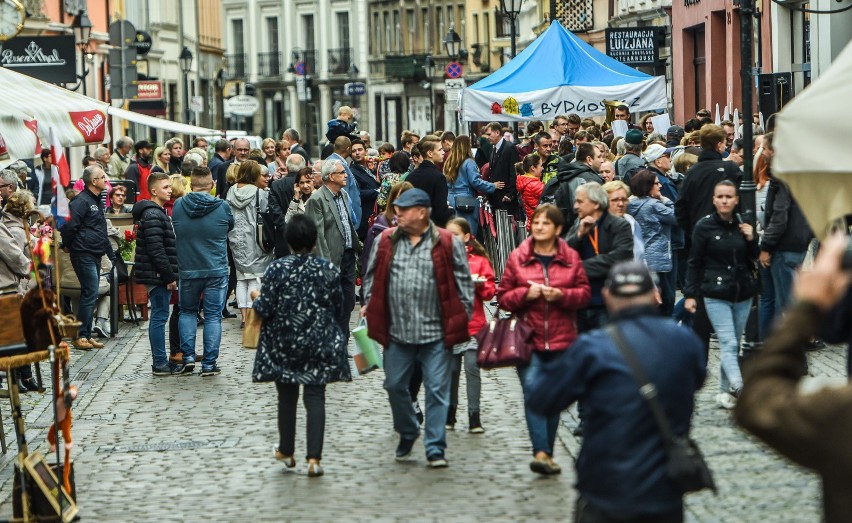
<point>472,219</point>
<point>86,268</point>
<point>542,428</point>
<point>766,307</point>
<point>729,321</point>
<point>437,365</point>
<point>189,295</point>
<point>783,269</point>
<point>159,297</point>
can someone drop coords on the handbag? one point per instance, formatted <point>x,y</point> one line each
<point>686,465</point>
<point>265,231</point>
<point>251,332</point>
<point>466,203</point>
<point>504,342</point>
<point>367,355</point>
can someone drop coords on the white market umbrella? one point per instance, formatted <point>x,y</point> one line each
<point>820,183</point>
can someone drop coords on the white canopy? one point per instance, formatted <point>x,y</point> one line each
<point>809,137</point>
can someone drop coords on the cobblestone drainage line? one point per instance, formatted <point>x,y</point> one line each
<point>172,445</point>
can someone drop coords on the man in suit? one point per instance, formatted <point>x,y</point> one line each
<point>281,193</point>
<point>337,238</point>
<point>504,156</point>
<point>368,186</point>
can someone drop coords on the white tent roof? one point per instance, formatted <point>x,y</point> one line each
<point>809,139</point>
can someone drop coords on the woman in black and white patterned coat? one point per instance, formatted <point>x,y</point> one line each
<point>300,341</point>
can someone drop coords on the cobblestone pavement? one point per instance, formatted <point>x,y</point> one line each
<point>193,449</point>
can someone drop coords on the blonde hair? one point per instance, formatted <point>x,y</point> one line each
<point>19,203</point>
<point>344,110</point>
<point>157,152</point>
<point>178,185</point>
<point>614,185</point>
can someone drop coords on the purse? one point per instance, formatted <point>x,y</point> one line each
<point>504,342</point>
<point>368,356</point>
<point>466,204</point>
<point>265,231</point>
<point>686,465</point>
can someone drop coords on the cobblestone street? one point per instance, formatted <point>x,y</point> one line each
<point>193,449</point>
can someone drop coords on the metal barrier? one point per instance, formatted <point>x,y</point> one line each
<point>501,235</point>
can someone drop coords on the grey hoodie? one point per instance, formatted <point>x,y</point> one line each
<point>248,256</point>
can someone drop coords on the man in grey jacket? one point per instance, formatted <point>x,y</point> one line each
<point>337,238</point>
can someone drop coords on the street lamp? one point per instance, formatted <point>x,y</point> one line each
<point>429,68</point>
<point>353,74</point>
<point>82,27</point>
<point>452,43</point>
<point>185,60</point>
<point>511,9</point>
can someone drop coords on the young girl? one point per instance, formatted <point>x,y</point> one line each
<point>483,279</point>
<point>530,185</point>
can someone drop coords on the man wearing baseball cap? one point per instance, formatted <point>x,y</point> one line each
<point>631,484</point>
<point>632,159</point>
<point>140,168</point>
<point>419,297</point>
<point>658,160</point>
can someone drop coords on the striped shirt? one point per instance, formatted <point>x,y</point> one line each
<point>413,291</point>
<point>344,217</point>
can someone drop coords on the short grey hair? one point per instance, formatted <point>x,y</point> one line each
<point>171,142</point>
<point>193,156</point>
<point>656,136</point>
<point>124,141</point>
<point>295,163</point>
<point>89,172</point>
<point>9,176</point>
<point>621,147</point>
<point>596,193</point>
<point>292,135</point>
<point>329,166</point>
<point>635,148</point>
<point>100,151</point>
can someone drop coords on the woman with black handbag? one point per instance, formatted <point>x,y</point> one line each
<point>544,283</point>
<point>721,272</point>
<point>248,199</point>
<point>464,180</point>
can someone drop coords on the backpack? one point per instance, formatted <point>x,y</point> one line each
<point>561,194</point>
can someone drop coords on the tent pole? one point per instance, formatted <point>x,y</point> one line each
<point>747,188</point>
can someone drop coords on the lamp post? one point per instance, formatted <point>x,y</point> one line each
<point>429,68</point>
<point>353,74</point>
<point>452,43</point>
<point>185,60</point>
<point>511,9</point>
<point>219,82</point>
<point>747,188</point>
<point>82,27</point>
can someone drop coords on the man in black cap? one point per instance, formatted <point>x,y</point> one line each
<point>419,297</point>
<point>674,135</point>
<point>140,168</point>
<point>632,159</point>
<point>629,485</point>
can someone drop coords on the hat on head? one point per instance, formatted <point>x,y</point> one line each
<point>142,144</point>
<point>19,167</point>
<point>675,131</point>
<point>628,279</point>
<point>633,136</point>
<point>413,198</point>
<point>655,151</point>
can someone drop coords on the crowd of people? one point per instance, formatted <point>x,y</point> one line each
<point>616,226</point>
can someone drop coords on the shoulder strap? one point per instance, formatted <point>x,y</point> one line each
<point>646,388</point>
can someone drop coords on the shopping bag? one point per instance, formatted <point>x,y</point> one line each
<point>251,332</point>
<point>367,355</point>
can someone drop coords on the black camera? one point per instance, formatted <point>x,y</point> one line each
<point>846,261</point>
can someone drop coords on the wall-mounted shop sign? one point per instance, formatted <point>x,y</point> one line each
<point>634,45</point>
<point>48,58</point>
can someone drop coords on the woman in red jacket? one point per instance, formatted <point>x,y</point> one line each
<point>544,284</point>
<point>484,288</point>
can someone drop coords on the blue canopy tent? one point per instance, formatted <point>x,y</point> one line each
<point>560,74</point>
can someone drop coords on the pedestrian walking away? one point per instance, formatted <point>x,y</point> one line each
<point>300,341</point>
<point>419,297</point>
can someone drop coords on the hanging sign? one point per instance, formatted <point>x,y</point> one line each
<point>48,58</point>
<point>634,45</point>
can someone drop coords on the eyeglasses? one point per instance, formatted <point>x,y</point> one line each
<point>5,185</point>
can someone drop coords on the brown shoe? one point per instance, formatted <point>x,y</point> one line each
<point>96,344</point>
<point>176,358</point>
<point>82,344</point>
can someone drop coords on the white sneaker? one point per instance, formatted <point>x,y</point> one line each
<point>725,401</point>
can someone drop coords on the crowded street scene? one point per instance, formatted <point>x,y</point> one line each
<point>405,276</point>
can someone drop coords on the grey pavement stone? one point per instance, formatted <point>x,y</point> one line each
<point>187,449</point>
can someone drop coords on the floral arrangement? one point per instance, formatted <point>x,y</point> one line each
<point>127,245</point>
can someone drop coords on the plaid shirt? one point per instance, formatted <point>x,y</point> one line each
<point>344,217</point>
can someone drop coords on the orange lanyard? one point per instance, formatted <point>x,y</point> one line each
<point>593,239</point>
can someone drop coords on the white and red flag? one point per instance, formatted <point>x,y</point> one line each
<point>61,174</point>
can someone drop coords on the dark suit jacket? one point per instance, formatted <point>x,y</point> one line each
<point>219,178</point>
<point>428,178</point>
<point>281,193</point>
<point>503,170</point>
<point>46,190</point>
<point>368,188</point>
<point>330,239</point>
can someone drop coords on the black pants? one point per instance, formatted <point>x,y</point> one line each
<point>314,400</point>
<point>586,513</point>
<point>174,332</point>
<point>232,277</point>
<point>347,282</point>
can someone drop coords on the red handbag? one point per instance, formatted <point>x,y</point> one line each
<point>504,342</point>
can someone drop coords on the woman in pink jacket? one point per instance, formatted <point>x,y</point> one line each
<point>484,288</point>
<point>544,284</point>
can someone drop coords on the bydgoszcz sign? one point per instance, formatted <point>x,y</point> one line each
<point>48,58</point>
<point>634,45</point>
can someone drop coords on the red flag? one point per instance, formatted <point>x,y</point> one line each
<point>32,125</point>
<point>58,159</point>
